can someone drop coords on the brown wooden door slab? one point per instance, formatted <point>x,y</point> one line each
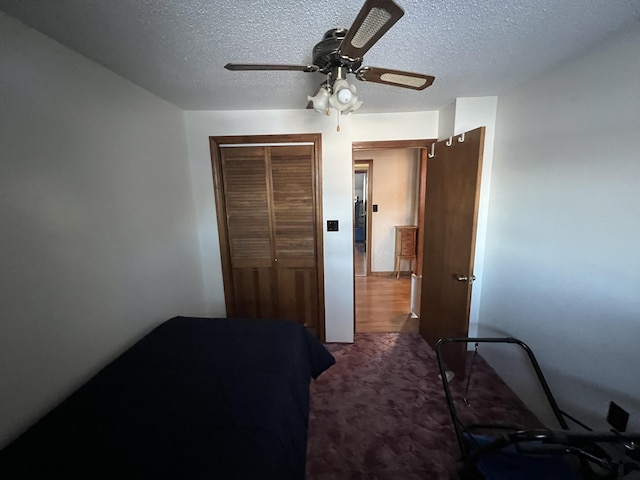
<point>246,191</point>
<point>294,233</point>
<point>450,218</point>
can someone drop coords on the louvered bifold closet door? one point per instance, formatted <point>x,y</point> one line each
<point>294,227</point>
<point>247,188</point>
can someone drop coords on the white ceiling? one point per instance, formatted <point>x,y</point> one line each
<point>177,49</point>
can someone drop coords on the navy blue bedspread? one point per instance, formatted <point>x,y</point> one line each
<point>197,398</point>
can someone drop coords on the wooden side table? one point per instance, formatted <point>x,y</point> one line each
<point>405,246</point>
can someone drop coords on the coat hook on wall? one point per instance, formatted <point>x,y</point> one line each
<point>432,153</point>
<point>449,142</point>
<point>461,137</point>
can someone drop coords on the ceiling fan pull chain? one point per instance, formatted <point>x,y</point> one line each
<point>338,127</point>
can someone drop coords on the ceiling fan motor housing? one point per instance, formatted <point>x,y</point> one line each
<point>326,55</point>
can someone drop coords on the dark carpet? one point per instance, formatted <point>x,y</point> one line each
<point>380,411</point>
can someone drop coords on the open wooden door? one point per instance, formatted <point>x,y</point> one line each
<point>450,217</point>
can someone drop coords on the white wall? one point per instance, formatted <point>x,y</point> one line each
<point>395,179</point>
<point>98,241</point>
<point>447,121</point>
<point>394,126</point>
<point>337,189</point>
<point>562,266</point>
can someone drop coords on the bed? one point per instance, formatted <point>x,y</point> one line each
<point>196,398</point>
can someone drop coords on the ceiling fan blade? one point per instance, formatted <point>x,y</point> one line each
<point>265,66</point>
<point>397,78</point>
<point>374,20</point>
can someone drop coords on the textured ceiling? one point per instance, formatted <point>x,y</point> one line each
<point>177,49</point>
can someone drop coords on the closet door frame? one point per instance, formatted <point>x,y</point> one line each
<point>218,142</point>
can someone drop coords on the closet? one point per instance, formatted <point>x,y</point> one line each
<point>270,227</point>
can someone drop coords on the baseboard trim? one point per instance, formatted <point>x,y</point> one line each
<point>389,274</point>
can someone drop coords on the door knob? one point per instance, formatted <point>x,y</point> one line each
<point>463,278</point>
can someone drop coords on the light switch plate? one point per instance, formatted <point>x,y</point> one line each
<point>332,225</point>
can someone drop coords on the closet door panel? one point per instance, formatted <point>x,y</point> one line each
<point>247,206</point>
<point>298,296</point>
<point>292,177</point>
<point>256,295</point>
<point>294,220</point>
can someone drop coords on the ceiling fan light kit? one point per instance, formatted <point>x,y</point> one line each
<point>344,98</point>
<point>338,94</point>
<point>341,52</point>
<point>320,101</point>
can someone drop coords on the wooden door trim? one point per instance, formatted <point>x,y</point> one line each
<point>215,143</point>
<point>381,144</point>
<point>422,196</point>
<point>369,213</point>
<point>221,212</point>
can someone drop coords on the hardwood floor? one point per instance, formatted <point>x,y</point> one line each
<point>360,259</point>
<point>383,304</point>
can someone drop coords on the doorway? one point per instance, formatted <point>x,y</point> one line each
<point>447,220</point>
<point>382,301</point>
<point>363,182</point>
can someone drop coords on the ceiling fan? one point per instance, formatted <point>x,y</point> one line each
<point>341,52</point>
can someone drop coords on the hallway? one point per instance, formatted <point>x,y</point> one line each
<point>383,304</point>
